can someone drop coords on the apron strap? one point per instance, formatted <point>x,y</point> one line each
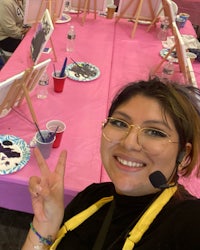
<point>78,219</point>
<point>148,217</point>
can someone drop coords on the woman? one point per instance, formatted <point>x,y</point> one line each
<point>12,30</point>
<point>148,140</point>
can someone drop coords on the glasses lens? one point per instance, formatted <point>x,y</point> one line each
<point>115,130</point>
<point>152,140</point>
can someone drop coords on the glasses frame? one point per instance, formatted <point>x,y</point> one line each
<point>130,126</point>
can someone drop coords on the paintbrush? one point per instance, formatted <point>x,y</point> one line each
<point>62,73</point>
<point>43,139</point>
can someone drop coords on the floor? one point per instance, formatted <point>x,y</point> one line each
<point>13,228</point>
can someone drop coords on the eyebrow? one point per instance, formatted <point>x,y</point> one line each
<point>155,122</point>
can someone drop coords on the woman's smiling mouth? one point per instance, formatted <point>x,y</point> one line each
<point>131,164</point>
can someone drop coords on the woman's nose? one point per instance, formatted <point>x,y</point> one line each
<point>131,142</point>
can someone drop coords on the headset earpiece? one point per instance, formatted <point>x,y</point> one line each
<point>180,157</point>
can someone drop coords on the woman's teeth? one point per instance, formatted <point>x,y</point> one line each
<point>130,163</point>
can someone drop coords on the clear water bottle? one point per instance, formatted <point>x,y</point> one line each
<point>71,35</point>
<point>164,27</point>
<point>168,70</point>
<point>42,88</point>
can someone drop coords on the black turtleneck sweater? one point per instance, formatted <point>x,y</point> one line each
<point>176,227</point>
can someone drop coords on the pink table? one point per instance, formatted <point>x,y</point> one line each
<point>192,7</point>
<point>82,106</point>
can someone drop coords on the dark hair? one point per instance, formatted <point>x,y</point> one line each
<point>180,102</point>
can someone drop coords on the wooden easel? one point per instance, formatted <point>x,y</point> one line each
<point>21,87</point>
<point>48,4</point>
<point>86,9</point>
<point>16,93</point>
<point>168,11</point>
<point>184,62</point>
<point>137,13</point>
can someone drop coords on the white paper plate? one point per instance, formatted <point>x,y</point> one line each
<point>173,56</point>
<point>64,19</point>
<point>14,154</point>
<point>86,72</point>
<point>73,11</point>
<point>164,52</point>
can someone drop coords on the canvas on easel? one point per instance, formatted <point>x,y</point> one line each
<point>149,8</point>
<point>34,10</point>
<point>80,5</point>
<point>8,94</point>
<point>140,11</point>
<point>41,37</point>
<point>16,88</point>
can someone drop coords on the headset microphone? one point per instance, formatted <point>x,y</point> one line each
<point>158,180</point>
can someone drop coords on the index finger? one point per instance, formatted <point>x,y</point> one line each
<point>60,166</point>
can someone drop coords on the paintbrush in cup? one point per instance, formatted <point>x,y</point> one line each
<point>43,139</point>
<point>51,135</point>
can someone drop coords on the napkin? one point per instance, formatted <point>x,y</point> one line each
<point>189,42</point>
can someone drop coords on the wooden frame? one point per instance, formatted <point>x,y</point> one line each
<point>167,7</point>
<point>34,10</point>
<point>184,62</point>
<point>191,75</point>
<point>88,6</point>
<point>41,37</point>
<point>138,10</point>
<point>16,88</point>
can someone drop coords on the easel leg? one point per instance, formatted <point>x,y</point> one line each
<point>54,53</point>
<point>28,99</point>
<point>139,8</point>
<point>154,20</point>
<point>163,60</point>
<point>124,11</point>
<point>95,9</point>
<point>85,10</point>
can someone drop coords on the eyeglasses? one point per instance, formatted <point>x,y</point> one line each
<point>150,139</point>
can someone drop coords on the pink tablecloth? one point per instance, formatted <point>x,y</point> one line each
<point>82,106</point>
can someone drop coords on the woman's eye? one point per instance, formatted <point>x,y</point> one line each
<point>154,133</point>
<point>118,123</point>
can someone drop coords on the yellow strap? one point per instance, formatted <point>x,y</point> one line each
<point>136,233</point>
<point>147,218</point>
<point>76,220</point>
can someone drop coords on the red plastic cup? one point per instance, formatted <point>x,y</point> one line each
<point>58,81</point>
<point>52,126</point>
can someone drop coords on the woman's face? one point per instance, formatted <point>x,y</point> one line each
<point>126,162</point>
